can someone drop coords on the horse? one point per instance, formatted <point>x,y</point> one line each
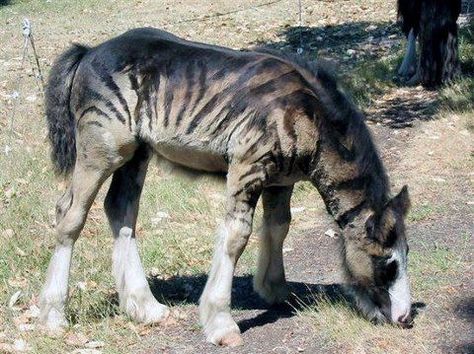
<point>264,120</point>
<point>433,22</point>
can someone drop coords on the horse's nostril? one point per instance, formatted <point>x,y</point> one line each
<point>405,320</point>
<point>402,318</point>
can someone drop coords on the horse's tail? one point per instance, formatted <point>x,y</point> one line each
<point>61,121</point>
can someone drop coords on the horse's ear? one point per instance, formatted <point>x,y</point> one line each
<point>401,202</point>
<point>370,226</point>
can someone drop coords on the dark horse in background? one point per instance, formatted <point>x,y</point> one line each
<point>433,22</point>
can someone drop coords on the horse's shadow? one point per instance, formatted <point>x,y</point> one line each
<point>181,290</point>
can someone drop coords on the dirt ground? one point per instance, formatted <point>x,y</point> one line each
<point>423,145</point>
<point>312,269</point>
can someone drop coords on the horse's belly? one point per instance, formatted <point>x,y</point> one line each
<point>193,158</point>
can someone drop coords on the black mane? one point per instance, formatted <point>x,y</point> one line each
<point>344,123</point>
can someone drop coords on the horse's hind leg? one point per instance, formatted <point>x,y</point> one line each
<point>121,207</point>
<point>269,281</point>
<point>71,213</point>
<point>101,149</point>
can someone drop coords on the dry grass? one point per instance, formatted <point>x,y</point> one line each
<point>181,242</point>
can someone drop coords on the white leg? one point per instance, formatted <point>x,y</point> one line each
<point>136,298</point>
<point>214,308</point>
<point>71,213</point>
<point>408,66</point>
<point>269,281</point>
<point>121,206</point>
<point>53,298</point>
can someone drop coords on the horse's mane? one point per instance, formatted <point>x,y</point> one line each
<point>343,119</point>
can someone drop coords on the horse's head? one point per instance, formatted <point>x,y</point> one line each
<point>375,258</point>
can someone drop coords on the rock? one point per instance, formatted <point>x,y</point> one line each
<point>95,344</point>
<point>297,210</point>
<point>331,233</point>
<point>438,179</point>
<point>159,217</point>
<point>86,351</point>
<point>351,52</point>
<point>8,233</point>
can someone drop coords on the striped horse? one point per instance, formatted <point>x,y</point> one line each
<point>265,120</point>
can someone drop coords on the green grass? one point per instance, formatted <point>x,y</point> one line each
<point>420,213</point>
<point>181,244</point>
<point>341,329</point>
<point>371,78</point>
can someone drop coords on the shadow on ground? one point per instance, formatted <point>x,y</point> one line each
<point>187,290</point>
<point>180,290</point>
<point>344,44</point>
<point>367,55</point>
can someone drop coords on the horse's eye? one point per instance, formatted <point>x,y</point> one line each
<point>390,272</point>
<point>391,238</point>
<point>386,271</point>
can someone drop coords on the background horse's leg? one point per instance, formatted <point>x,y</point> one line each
<point>71,213</point>
<point>232,238</point>
<point>121,207</point>
<point>269,281</point>
<point>409,63</point>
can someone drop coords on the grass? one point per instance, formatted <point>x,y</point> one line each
<point>421,213</point>
<point>180,244</point>
<point>371,79</point>
<point>341,329</point>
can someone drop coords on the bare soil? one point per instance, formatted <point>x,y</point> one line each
<point>429,151</point>
<point>312,266</point>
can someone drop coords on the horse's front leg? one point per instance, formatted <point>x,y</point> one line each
<point>232,237</point>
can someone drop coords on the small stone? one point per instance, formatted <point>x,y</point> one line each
<point>8,233</point>
<point>331,233</point>
<point>76,339</point>
<point>297,210</point>
<point>33,312</point>
<point>438,179</point>
<point>86,351</point>
<point>95,344</point>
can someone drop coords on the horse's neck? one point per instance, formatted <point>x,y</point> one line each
<point>344,189</point>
